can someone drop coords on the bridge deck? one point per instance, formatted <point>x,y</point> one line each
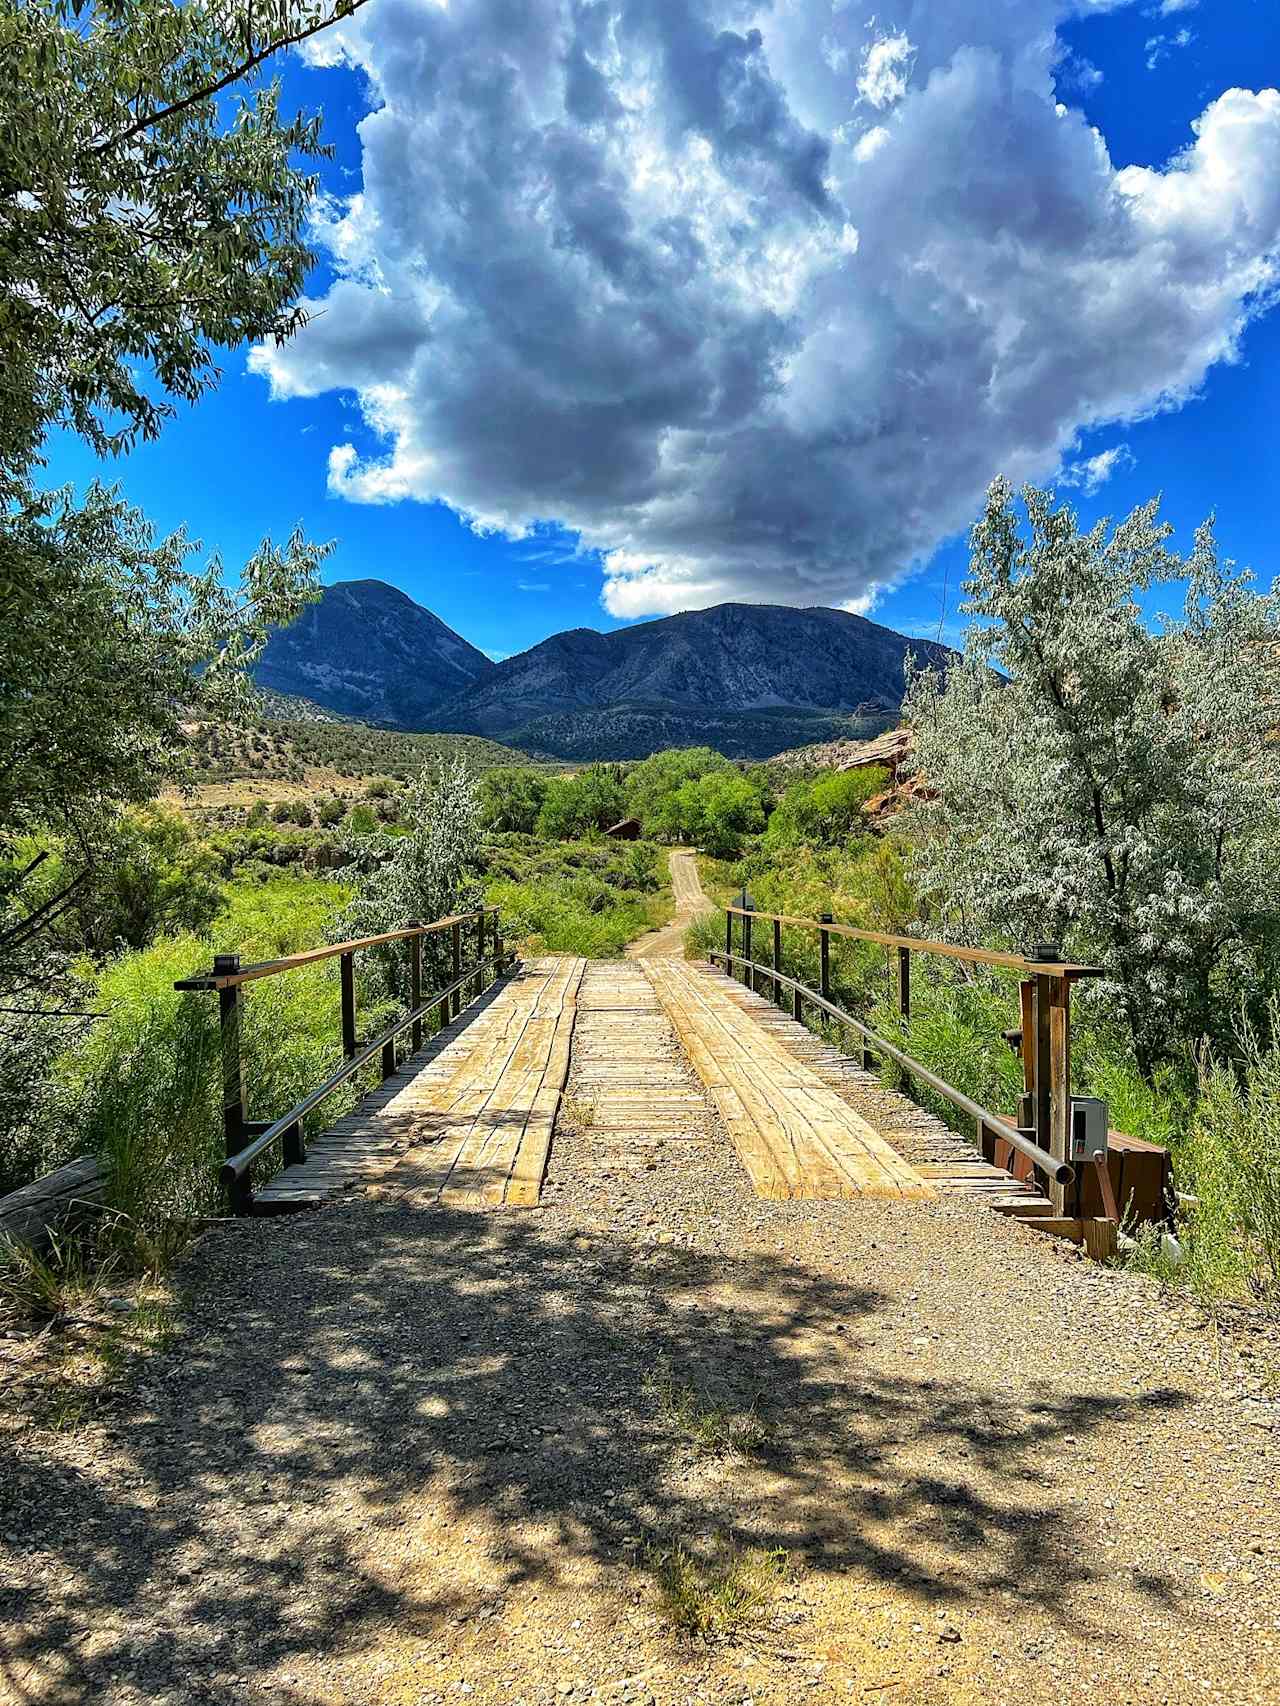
<point>946,1158</point>
<point>467,1121</point>
<point>793,1134</point>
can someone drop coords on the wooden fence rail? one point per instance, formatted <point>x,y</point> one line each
<point>245,1140</point>
<point>1043,1130</point>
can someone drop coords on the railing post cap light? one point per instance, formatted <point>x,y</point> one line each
<point>1047,953</point>
<point>224,964</point>
<point>825,918</point>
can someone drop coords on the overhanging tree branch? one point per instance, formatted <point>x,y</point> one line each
<point>245,66</point>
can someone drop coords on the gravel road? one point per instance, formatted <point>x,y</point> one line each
<point>417,1455</point>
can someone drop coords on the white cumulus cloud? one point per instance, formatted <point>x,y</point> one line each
<point>635,269</point>
<point>1093,472</point>
<point>886,68</point>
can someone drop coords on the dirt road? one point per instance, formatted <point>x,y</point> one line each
<point>690,902</point>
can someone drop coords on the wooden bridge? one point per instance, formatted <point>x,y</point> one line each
<point>470,1079</point>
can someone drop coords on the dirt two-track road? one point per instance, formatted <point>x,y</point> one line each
<point>691,901</point>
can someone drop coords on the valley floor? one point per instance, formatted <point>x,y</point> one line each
<point>408,1453</point>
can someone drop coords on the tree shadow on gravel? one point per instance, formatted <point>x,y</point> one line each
<point>363,1368</point>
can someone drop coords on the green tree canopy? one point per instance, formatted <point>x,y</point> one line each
<point>108,641</point>
<point>510,800</point>
<point>720,810</point>
<point>653,784</point>
<point>142,223</point>
<point>578,805</point>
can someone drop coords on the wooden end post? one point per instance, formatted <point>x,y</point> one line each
<point>292,1147</point>
<point>346,964</point>
<point>498,955</point>
<point>455,1005</point>
<point>824,957</point>
<point>728,939</point>
<point>235,1114</point>
<point>1049,1068</point>
<point>415,986</point>
<point>480,951</point>
<point>1027,993</point>
<point>904,984</point>
<point>777,958</point>
<point>230,1016</point>
<point>749,972</point>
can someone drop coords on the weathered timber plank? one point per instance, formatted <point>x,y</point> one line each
<point>30,1214</point>
<point>792,1132</point>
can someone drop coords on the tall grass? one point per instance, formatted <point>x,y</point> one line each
<point>577,897</point>
<point>1232,1163</point>
<point>579,917</point>
<point>146,1084</point>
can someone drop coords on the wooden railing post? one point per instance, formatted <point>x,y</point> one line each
<point>235,1114</point>
<point>498,955</point>
<point>347,967</point>
<point>456,938</point>
<point>904,984</point>
<point>749,970</point>
<point>1046,1045</point>
<point>292,1149</point>
<point>824,957</point>
<point>777,959</point>
<point>415,986</point>
<point>480,951</point>
<point>728,938</point>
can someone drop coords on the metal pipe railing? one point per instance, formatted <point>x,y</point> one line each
<point>1061,1172</point>
<point>227,979</point>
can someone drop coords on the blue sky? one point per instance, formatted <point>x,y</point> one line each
<point>241,464</point>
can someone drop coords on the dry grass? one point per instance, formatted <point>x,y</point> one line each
<point>714,1427</point>
<point>717,1591</point>
<point>579,1112</point>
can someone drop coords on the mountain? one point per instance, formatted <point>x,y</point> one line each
<point>750,679</point>
<point>366,650</point>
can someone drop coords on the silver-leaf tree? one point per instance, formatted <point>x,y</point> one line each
<point>1104,777</point>
<point>426,874</point>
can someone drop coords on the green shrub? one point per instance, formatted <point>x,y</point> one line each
<point>1231,1162</point>
<point>145,1086</point>
<point>591,920</point>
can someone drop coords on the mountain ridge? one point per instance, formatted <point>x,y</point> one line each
<point>367,650</point>
<point>750,679</point>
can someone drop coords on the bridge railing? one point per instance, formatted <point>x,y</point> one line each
<point>1042,1132</point>
<point>245,1139</point>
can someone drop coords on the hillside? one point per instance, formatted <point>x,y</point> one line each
<point>313,751</point>
<point>366,650</point>
<point>748,679</point>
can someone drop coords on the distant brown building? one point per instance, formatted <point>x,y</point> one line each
<point>627,830</point>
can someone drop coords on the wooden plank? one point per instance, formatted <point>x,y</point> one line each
<point>420,1124</point>
<point>794,1135</point>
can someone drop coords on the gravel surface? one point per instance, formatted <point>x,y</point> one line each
<point>408,1455</point>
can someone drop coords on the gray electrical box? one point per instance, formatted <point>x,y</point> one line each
<point>1088,1128</point>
